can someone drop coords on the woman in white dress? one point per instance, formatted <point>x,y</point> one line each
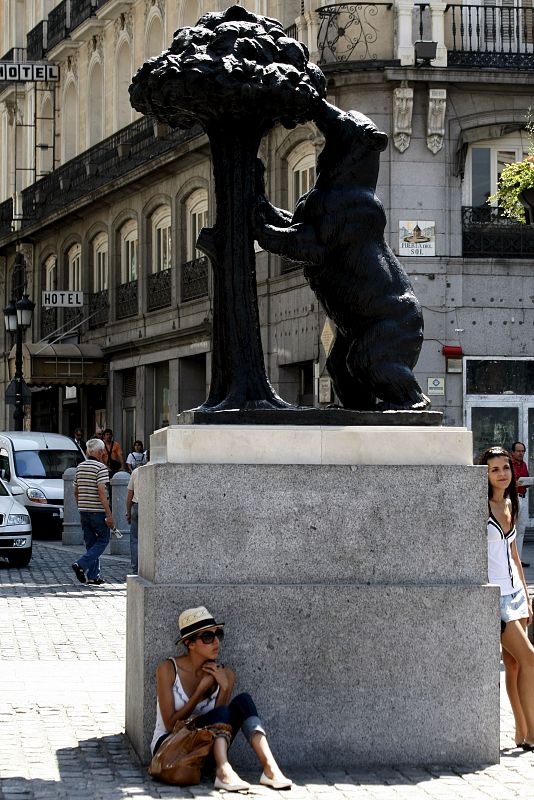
<point>504,569</point>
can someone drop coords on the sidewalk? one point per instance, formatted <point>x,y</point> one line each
<point>62,705</point>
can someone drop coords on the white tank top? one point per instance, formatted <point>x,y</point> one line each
<point>502,568</point>
<point>180,700</point>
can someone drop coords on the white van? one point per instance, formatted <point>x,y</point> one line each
<point>35,462</point>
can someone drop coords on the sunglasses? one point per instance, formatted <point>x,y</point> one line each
<point>208,637</point>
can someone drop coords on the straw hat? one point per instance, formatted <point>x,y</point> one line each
<point>194,620</point>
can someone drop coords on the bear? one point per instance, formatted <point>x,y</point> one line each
<point>337,233</point>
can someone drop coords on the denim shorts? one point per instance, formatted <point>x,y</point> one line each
<point>514,606</point>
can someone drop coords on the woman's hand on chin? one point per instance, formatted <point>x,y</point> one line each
<point>224,676</point>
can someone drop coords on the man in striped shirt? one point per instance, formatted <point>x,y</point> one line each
<point>91,496</point>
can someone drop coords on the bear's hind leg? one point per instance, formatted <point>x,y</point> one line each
<point>380,359</point>
<point>352,392</point>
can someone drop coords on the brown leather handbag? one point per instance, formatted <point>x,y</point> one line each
<point>180,758</point>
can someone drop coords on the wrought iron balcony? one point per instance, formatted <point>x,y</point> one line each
<point>194,282</point>
<point>494,36</point>
<point>286,266</point>
<point>487,233</point>
<point>6,216</point>
<point>112,158</point>
<point>80,10</point>
<point>49,322</point>
<point>36,42</point>
<point>292,31</point>
<point>71,318</point>
<point>98,309</point>
<point>159,289</point>
<point>355,32</point>
<point>58,24</point>
<point>127,300</point>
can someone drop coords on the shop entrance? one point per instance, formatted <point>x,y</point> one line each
<point>499,406</point>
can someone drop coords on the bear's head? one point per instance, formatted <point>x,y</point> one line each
<point>352,147</point>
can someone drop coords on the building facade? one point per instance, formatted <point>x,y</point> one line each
<point>108,203</point>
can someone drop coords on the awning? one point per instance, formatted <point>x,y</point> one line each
<point>61,364</point>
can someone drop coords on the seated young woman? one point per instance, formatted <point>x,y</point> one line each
<point>195,685</point>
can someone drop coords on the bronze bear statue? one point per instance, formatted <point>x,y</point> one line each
<point>337,233</point>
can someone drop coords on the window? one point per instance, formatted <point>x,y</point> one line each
<point>161,240</point>
<point>50,274</point>
<point>485,162</point>
<point>129,252</point>
<point>197,218</point>
<point>301,172</point>
<point>75,268</point>
<point>100,263</point>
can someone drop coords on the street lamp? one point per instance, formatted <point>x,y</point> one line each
<point>17,318</point>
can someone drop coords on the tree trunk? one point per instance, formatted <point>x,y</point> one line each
<point>239,380</point>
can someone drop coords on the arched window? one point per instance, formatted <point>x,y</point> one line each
<point>74,263</point>
<point>100,262</point>
<point>50,274</point>
<point>161,239</point>
<point>95,106</point>
<point>485,161</point>
<point>69,123</point>
<point>154,39</point>
<point>123,72</point>
<point>301,171</point>
<point>197,218</point>
<point>129,251</point>
<point>45,139</point>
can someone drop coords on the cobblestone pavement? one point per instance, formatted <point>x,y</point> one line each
<point>62,705</point>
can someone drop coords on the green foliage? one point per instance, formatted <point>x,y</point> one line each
<point>514,179</point>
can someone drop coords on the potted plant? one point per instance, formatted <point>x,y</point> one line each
<point>515,189</point>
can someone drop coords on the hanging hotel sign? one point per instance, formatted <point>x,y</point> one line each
<point>417,238</point>
<point>28,72</point>
<point>62,299</point>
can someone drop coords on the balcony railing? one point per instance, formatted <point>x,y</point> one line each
<point>355,32</point>
<point>486,233</point>
<point>159,289</point>
<point>71,318</point>
<point>292,31</point>
<point>6,216</point>
<point>49,323</point>
<point>58,23</point>
<point>36,42</point>
<point>80,10</point>
<point>111,158</point>
<point>501,37</point>
<point>98,309</point>
<point>286,266</point>
<point>194,279</point>
<point>127,300</point>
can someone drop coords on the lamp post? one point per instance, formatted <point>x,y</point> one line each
<point>17,318</point>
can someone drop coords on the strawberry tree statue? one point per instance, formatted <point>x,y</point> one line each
<point>238,74</point>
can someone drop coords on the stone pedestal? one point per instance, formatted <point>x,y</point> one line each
<point>353,584</point>
<point>72,527</point>
<point>119,490</point>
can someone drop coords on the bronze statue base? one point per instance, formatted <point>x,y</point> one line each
<point>309,416</point>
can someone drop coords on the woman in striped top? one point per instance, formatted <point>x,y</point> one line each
<point>504,569</point>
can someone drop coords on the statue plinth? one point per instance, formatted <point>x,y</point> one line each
<point>310,416</point>
<point>350,567</point>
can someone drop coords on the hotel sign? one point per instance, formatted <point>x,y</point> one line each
<point>28,72</point>
<point>62,299</point>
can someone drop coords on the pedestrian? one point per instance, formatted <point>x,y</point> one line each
<point>504,569</point>
<point>113,457</point>
<point>78,439</point>
<point>520,471</point>
<point>138,457</point>
<point>132,515</point>
<point>95,512</point>
<point>196,685</point>
<point>99,433</point>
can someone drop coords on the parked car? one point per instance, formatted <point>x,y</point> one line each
<point>35,462</point>
<point>15,528</point>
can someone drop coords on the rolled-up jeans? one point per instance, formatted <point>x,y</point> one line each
<point>240,713</point>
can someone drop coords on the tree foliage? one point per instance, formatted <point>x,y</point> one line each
<point>234,65</point>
